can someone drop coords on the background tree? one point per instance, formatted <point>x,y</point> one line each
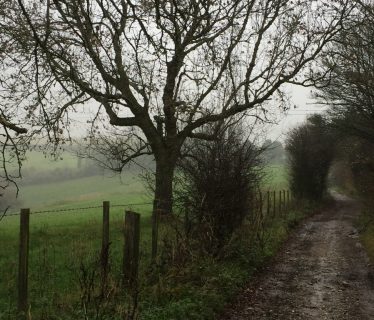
<point>273,152</point>
<point>160,69</point>
<point>310,148</point>
<point>350,92</point>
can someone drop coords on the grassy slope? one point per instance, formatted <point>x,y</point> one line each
<point>275,177</point>
<point>85,191</point>
<point>80,192</point>
<point>38,161</point>
<point>60,242</point>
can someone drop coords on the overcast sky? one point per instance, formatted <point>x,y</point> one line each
<point>305,105</point>
<point>301,100</point>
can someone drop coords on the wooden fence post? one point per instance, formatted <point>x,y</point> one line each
<point>284,202</point>
<point>105,246</point>
<point>155,218</point>
<point>268,205</point>
<point>274,203</point>
<point>280,202</point>
<point>260,201</point>
<point>288,199</point>
<point>131,249</point>
<point>23,271</point>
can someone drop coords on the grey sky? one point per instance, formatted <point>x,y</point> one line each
<point>300,97</point>
<point>305,105</point>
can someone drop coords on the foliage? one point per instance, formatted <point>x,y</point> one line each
<point>349,93</point>
<point>310,150</point>
<point>360,158</point>
<point>362,167</point>
<point>217,182</point>
<point>349,96</point>
<point>365,226</point>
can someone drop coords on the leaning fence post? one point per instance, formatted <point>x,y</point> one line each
<point>23,262</point>
<point>131,249</point>
<point>155,216</point>
<point>105,246</point>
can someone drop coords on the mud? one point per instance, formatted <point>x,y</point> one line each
<point>321,273</point>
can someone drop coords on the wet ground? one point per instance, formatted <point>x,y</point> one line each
<point>321,273</point>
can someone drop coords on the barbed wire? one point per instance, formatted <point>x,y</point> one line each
<point>65,210</point>
<point>81,208</point>
<point>256,198</point>
<point>130,204</point>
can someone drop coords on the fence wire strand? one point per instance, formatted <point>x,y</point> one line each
<point>257,197</point>
<point>81,208</point>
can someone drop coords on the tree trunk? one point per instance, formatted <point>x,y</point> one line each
<point>165,166</point>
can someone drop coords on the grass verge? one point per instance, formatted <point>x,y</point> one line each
<point>365,225</point>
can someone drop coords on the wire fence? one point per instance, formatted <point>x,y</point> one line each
<point>264,202</point>
<point>79,209</point>
<point>126,205</point>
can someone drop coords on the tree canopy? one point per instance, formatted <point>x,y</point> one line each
<point>350,92</point>
<point>158,71</point>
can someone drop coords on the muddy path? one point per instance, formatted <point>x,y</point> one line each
<point>321,273</point>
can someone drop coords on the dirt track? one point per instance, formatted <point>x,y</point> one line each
<point>322,273</point>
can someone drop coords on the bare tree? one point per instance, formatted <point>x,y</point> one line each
<point>350,93</point>
<point>167,67</point>
<point>13,135</point>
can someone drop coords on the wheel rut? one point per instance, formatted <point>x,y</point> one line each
<point>322,273</point>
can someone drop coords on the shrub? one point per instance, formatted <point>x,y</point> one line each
<point>217,180</point>
<point>311,150</point>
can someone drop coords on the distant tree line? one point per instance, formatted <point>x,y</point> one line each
<point>34,176</point>
<point>273,152</point>
<point>311,150</point>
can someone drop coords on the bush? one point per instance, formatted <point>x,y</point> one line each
<point>311,150</point>
<point>217,183</point>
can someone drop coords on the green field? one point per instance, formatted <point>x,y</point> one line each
<point>39,161</point>
<point>88,190</point>
<point>91,191</point>
<point>64,245</point>
<point>84,191</point>
<point>276,178</point>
